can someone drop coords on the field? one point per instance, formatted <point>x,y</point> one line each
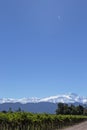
<point>31,121</point>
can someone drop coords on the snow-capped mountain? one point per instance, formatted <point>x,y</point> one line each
<point>64,98</point>
<point>21,100</point>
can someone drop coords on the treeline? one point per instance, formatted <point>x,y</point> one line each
<point>30,121</point>
<point>66,109</point>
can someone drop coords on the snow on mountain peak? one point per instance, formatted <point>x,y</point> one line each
<point>64,98</point>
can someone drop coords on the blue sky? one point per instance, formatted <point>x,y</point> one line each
<point>43,47</point>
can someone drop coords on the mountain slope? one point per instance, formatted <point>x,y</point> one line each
<point>40,105</point>
<point>64,98</point>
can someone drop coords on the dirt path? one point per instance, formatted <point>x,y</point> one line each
<point>81,126</point>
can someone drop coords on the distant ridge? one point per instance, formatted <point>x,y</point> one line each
<point>64,98</point>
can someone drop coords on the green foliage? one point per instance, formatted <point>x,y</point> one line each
<point>70,109</point>
<point>29,121</point>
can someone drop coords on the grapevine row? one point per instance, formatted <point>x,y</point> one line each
<point>31,121</point>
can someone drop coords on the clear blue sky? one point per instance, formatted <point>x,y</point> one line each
<point>43,47</point>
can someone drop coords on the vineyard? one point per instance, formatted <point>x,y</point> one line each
<point>30,121</point>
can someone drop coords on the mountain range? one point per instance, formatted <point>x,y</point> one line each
<point>64,98</point>
<point>47,104</point>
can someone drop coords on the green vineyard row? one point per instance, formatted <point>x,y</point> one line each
<point>31,121</point>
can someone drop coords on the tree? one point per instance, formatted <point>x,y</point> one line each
<point>80,110</point>
<point>19,109</point>
<point>10,110</point>
<point>61,108</point>
<point>71,110</point>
